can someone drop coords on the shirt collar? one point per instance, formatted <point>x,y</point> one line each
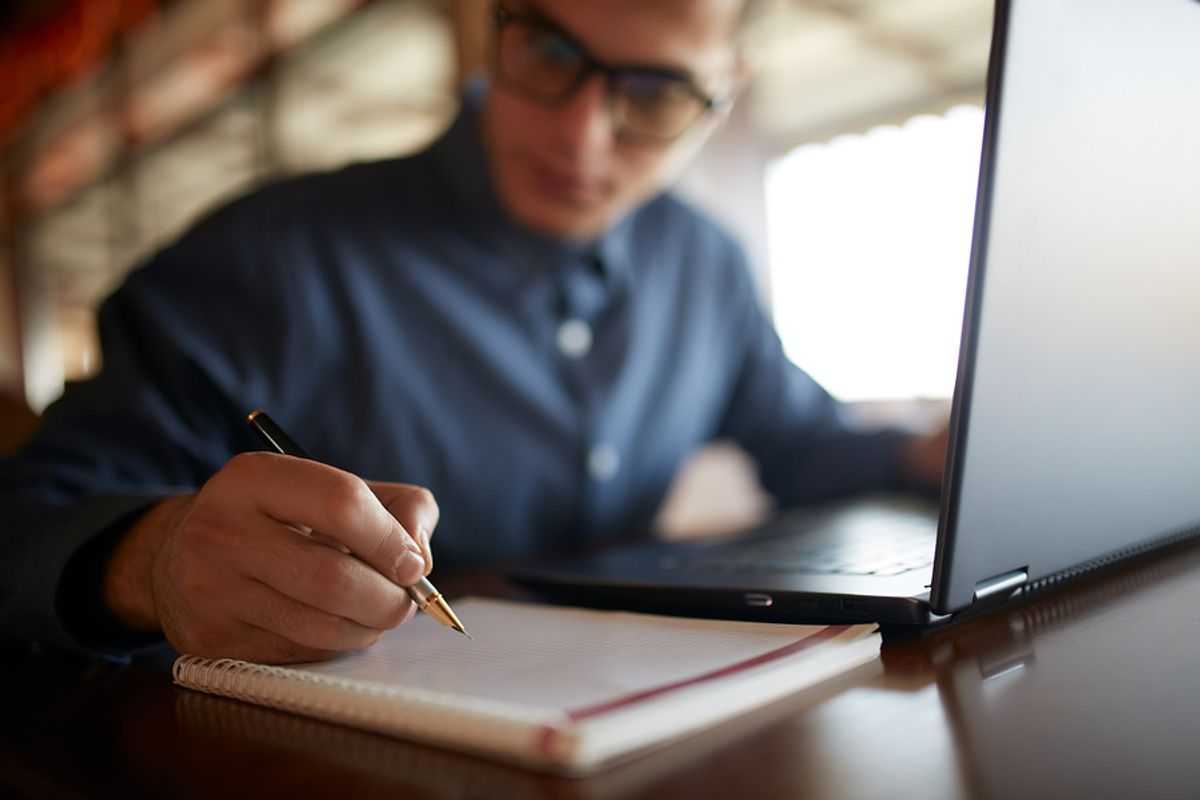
<point>461,159</point>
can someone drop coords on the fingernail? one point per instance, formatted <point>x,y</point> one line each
<point>411,566</point>
<point>426,550</point>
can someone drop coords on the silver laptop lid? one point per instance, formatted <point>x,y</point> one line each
<point>1077,417</point>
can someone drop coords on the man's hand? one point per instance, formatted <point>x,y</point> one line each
<point>275,559</point>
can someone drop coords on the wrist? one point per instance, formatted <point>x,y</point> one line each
<point>128,586</point>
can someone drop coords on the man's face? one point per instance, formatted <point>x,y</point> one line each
<point>566,170</point>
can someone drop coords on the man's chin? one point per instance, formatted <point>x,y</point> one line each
<point>561,223</point>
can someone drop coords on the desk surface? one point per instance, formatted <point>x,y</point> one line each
<point>1088,691</point>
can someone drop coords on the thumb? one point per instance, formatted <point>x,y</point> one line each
<point>415,508</point>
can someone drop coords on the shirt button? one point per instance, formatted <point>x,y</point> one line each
<point>603,462</point>
<point>574,338</point>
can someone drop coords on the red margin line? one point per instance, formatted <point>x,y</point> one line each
<point>824,634</point>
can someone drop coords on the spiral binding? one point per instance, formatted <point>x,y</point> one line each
<point>485,726</point>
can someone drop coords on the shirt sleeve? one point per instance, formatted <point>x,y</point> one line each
<point>162,415</point>
<point>52,575</point>
<point>806,444</point>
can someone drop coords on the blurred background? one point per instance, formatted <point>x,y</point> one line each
<point>848,168</point>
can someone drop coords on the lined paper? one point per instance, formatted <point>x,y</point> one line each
<point>556,658</point>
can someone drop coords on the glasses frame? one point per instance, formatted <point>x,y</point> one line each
<point>502,17</point>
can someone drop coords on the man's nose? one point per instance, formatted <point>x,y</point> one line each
<point>585,123</point>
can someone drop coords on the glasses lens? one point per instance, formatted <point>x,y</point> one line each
<point>538,59</point>
<point>656,106</point>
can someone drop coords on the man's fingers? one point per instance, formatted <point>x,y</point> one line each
<point>327,578</point>
<point>334,503</point>
<point>309,627</point>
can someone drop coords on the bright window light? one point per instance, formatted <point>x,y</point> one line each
<point>869,241</point>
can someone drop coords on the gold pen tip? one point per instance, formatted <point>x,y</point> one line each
<point>439,609</point>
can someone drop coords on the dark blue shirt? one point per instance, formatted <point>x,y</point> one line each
<point>399,326</point>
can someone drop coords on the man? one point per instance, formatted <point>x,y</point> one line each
<point>516,318</point>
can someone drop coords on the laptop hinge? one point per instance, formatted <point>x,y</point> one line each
<point>1000,585</point>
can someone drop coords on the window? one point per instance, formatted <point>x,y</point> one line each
<point>869,239</point>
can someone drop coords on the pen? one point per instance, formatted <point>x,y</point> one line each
<point>427,598</point>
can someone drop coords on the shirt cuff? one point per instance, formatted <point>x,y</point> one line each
<point>61,554</point>
<point>79,601</point>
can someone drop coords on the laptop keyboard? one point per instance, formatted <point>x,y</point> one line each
<point>870,542</point>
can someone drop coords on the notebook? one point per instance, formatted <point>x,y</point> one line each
<point>557,689</point>
<point>1075,437</point>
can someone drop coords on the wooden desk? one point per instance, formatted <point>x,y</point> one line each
<point>1090,691</point>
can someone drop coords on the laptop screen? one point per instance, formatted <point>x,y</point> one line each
<point>1078,412</point>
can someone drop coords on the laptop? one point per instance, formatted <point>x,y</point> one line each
<point>1075,425</point>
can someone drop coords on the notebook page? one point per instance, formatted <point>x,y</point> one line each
<point>556,658</point>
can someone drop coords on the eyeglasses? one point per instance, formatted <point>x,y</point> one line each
<point>545,64</point>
